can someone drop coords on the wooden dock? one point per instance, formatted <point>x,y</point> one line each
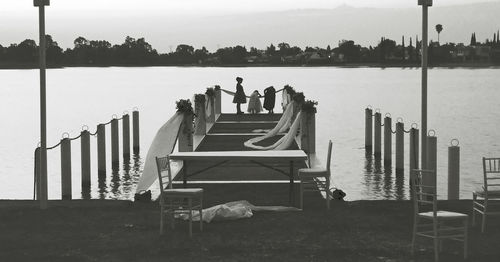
<point>228,133</point>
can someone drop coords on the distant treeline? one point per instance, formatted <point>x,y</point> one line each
<point>138,52</point>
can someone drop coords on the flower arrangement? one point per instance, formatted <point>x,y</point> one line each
<point>217,87</point>
<point>289,89</point>
<point>199,98</point>
<point>309,106</point>
<point>299,98</point>
<point>184,106</point>
<point>210,92</point>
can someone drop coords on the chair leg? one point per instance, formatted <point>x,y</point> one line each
<point>483,222</point>
<point>414,236</point>
<point>474,198</point>
<point>201,213</point>
<point>162,215</point>
<point>301,195</point>
<point>190,217</point>
<point>466,236</point>
<point>436,249</point>
<point>327,199</point>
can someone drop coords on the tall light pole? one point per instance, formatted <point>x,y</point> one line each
<point>425,4</point>
<point>42,179</point>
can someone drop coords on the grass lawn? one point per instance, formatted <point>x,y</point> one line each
<point>106,230</point>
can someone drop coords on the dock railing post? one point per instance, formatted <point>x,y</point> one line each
<point>387,139</point>
<point>186,134</point>
<point>126,135</point>
<point>211,108</point>
<point>115,158</point>
<point>200,119</point>
<point>101,150</point>
<point>307,132</point>
<point>400,145</point>
<point>378,134</point>
<point>414,151</point>
<point>218,100</point>
<point>85,157</point>
<point>135,126</point>
<point>368,129</point>
<point>454,170</point>
<point>431,159</point>
<point>66,169</point>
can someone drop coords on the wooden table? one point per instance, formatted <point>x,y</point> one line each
<point>257,157</point>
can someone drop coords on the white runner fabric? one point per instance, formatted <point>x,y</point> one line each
<point>231,211</point>
<point>284,121</point>
<point>162,145</point>
<point>285,98</point>
<point>282,144</point>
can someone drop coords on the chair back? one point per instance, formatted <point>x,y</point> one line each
<point>329,156</point>
<point>163,165</point>
<point>491,170</point>
<point>423,195</point>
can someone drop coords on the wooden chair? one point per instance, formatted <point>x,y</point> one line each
<point>482,201</point>
<point>435,224</point>
<point>177,201</point>
<point>314,179</point>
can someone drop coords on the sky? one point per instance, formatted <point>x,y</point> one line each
<point>168,23</point>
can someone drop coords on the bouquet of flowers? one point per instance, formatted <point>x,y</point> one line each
<point>309,106</point>
<point>184,106</point>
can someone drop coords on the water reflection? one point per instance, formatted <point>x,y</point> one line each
<point>102,187</point>
<point>379,181</point>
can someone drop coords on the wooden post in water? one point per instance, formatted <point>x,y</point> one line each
<point>378,135</point>
<point>101,150</point>
<point>135,126</point>
<point>85,156</point>
<point>115,158</point>
<point>414,151</point>
<point>66,169</point>
<point>400,146</point>
<point>387,139</point>
<point>368,129</point>
<point>431,159</point>
<point>218,100</point>
<point>201,123</point>
<point>454,170</point>
<point>186,134</point>
<point>308,132</point>
<point>126,136</point>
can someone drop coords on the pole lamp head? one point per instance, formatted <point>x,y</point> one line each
<point>425,2</point>
<point>41,3</point>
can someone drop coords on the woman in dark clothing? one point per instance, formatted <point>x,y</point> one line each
<point>269,99</point>
<point>239,97</point>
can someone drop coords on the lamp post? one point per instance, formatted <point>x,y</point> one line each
<point>42,179</point>
<point>425,4</point>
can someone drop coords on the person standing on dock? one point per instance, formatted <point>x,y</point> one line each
<point>269,99</point>
<point>239,97</point>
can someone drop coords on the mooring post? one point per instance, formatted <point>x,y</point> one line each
<point>101,149</point>
<point>414,150</point>
<point>66,169</point>
<point>308,132</point>
<point>186,134</point>
<point>454,170</point>
<point>387,139</point>
<point>378,134</point>
<point>85,156</point>
<point>115,158</point>
<point>126,135</point>
<point>135,126</point>
<point>200,120</point>
<point>368,129</point>
<point>400,145</point>
<point>431,159</point>
<point>218,100</point>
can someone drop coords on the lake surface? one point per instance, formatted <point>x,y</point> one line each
<point>462,103</point>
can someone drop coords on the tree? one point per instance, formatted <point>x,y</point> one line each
<point>439,28</point>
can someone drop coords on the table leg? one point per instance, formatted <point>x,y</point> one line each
<point>184,173</point>
<point>291,196</point>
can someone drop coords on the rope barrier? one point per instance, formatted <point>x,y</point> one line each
<point>75,138</point>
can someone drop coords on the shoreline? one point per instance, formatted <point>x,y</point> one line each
<point>345,65</point>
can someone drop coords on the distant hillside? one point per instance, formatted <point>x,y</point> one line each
<point>297,27</point>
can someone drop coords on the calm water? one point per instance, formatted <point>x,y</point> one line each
<point>463,104</point>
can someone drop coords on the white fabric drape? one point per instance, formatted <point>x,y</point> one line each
<point>162,145</point>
